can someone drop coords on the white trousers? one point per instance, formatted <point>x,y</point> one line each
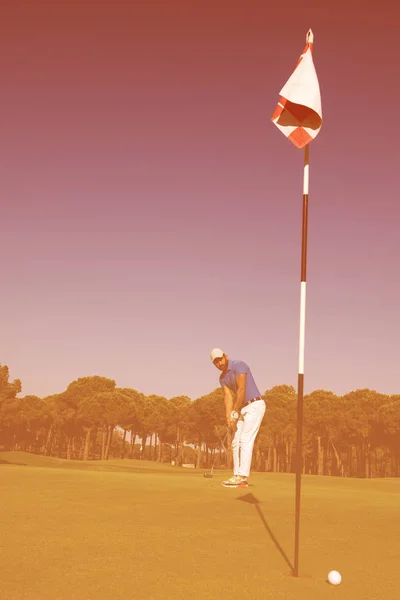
<point>248,425</point>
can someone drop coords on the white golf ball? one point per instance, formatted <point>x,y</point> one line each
<point>334,577</point>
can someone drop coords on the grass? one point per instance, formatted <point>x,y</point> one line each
<point>130,529</point>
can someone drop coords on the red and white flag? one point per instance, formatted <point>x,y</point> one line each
<point>298,113</point>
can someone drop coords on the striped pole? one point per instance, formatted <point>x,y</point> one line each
<point>299,457</point>
<point>298,115</point>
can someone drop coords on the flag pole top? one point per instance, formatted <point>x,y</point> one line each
<point>309,37</point>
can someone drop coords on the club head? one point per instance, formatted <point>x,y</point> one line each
<point>208,475</point>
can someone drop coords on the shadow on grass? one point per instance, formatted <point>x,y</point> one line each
<point>251,499</point>
<point>7,462</point>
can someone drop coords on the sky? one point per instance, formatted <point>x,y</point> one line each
<point>151,210</point>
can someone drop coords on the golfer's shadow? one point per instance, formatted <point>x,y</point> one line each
<point>251,499</point>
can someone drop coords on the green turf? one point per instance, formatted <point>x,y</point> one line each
<point>138,530</point>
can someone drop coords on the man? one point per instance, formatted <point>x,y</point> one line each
<point>244,414</point>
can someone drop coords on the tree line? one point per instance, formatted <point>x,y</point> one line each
<point>355,435</point>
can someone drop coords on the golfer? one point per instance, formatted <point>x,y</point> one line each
<point>244,413</point>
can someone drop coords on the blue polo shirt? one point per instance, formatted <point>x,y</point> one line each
<point>238,367</point>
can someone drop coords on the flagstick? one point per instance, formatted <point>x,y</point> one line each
<point>299,461</point>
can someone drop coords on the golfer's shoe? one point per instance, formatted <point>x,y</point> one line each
<point>243,484</point>
<point>232,482</point>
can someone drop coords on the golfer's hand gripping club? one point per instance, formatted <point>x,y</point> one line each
<point>233,418</point>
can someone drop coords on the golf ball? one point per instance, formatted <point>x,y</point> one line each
<point>334,577</point>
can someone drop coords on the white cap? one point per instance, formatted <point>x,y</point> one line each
<point>216,353</point>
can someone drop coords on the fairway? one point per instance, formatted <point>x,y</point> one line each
<point>130,529</point>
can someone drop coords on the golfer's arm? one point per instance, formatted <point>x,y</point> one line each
<point>228,399</point>
<point>241,392</point>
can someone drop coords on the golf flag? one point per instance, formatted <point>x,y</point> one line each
<point>299,116</point>
<point>298,113</point>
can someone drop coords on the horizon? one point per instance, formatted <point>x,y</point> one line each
<point>21,394</point>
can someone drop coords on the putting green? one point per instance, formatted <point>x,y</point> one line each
<point>130,529</point>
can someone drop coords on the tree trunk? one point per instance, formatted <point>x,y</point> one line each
<point>287,457</point>
<point>269,459</point>
<point>180,451</point>
<point>353,461</point>
<point>109,439</point>
<point>94,442</point>
<point>48,441</point>
<point>159,457</point>
<point>143,446</point>
<point>123,445</point>
<point>320,457</point>
<point>81,448</point>
<point>132,447</point>
<point>68,448</point>
<point>393,463</point>
<point>60,445</point>
<point>375,464</point>
<point>275,459</point>
<point>367,460</point>
<point>359,462</point>
<point>177,445</point>
<point>258,461</point>
<point>103,444</point>
<point>199,456</point>
<point>327,459</point>
<point>53,442</point>
<point>339,466</point>
<point>155,447</point>
<point>87,445</point>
